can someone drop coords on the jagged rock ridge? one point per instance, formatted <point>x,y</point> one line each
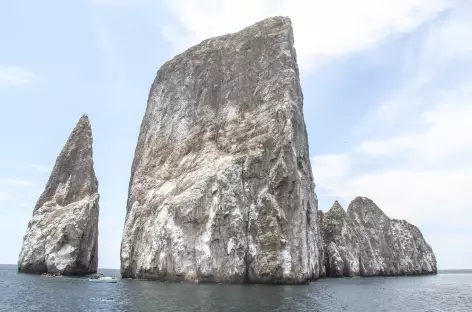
<point>221,187</point>
<point>366,242</point>
<point>62,236</point>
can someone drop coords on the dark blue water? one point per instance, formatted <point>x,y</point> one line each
<point>444,292</point>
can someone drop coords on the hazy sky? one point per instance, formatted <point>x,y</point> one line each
<point>387,88</point>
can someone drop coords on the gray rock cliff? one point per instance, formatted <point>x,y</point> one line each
<point>366,242</point>
<point>221,186</point>
<point>62,236</point>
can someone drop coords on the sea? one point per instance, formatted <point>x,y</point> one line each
<point>447,291</point>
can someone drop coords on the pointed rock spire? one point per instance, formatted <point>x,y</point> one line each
<point>363,209</point>
<point>74,168</point>
<point>62,235</point>
<point>337,209</point>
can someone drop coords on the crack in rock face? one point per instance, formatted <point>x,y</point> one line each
<point>221,186</point>
<point>62,236</point>
<point>365,242</point>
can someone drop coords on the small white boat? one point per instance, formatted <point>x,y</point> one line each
<point>103,279</point>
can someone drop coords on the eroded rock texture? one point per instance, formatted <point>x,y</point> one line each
<point>364,241</point>
<point>342,243</point>
<point>221,187</point>
<point>62,235</point>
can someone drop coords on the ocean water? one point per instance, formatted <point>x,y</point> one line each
<point>443,292</point>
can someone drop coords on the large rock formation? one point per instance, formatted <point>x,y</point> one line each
<point>364,241</point>
<point>62,235</point>
<point>221,187</point>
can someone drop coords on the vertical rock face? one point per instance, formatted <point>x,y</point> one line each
<point>364,241</point>
<point>221,187</point>
<point>62,235</point>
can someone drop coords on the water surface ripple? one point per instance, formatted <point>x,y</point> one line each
<point>444,292</point>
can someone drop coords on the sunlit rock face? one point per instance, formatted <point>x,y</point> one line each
<point>221,186</point>
<point>62,234</point>
<point>364,241</point>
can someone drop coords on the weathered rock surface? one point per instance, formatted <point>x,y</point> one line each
<point>364,241</point>
<point>62,235</point>
<point>221,187</point>
<point>341,239</point>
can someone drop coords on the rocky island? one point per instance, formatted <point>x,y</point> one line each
<point>365,242</point>
<point>61,237</point>
<point>221,186</point>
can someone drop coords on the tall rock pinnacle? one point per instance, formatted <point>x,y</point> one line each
<point>62,236</point>
<point>221,186</point>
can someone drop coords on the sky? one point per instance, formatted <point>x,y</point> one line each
<point>387,101</point>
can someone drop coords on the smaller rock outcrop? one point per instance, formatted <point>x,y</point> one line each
<point>342,244</point>
<point>365,241</point>
<point>62,236</point>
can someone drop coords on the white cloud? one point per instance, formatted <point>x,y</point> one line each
<point>330,169</point>
<point>41,168</point>
<point>4,195</point>
<point>444,133</point>
<point>322,28</point>
<point>16,182</point>
<point>416,195</point>
<point>388,109</point>
<point>14,76</point>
